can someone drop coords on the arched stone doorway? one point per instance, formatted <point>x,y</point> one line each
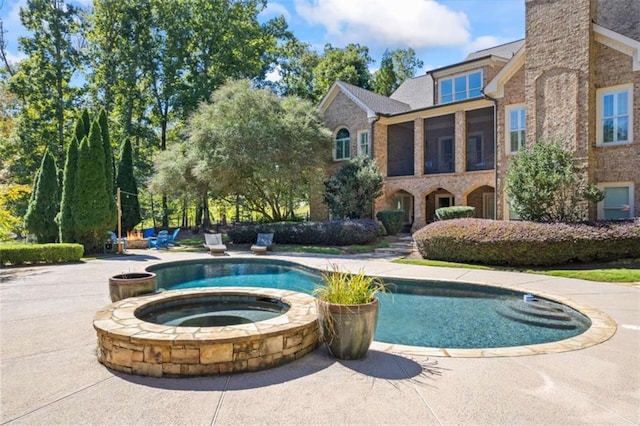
<point>435,200</point>
<point>483,199</point>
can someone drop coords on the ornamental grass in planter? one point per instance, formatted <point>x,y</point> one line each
<point>348,312</point>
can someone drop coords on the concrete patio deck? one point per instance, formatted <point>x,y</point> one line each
<point>49,373</point>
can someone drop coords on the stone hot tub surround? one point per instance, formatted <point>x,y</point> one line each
<point>131,345</point>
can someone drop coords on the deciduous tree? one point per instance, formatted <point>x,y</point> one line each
<point>544,183</point>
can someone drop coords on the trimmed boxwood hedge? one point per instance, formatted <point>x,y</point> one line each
<point>19,254</point>
<point>331,233</point>
<point>494,242</point>
<point>455,212</point>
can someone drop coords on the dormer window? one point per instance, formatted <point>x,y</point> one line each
<point>461,87</point>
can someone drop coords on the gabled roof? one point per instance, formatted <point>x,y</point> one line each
<point>370,102</point>
<point>495,88</point>
<point>619,42</point>
<point>417,92</point>
<point>505,51</point>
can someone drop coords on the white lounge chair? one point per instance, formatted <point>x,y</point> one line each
<point>264,242</point>
<point>213,243</point>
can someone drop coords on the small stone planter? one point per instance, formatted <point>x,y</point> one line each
<point>131,284</point>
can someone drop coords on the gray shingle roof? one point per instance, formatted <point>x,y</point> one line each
<point>417,92</point>
<point>378,103</point>
<point>506,50</point>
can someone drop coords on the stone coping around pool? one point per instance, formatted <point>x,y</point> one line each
<point>602,328</point>
<point>131,345</point>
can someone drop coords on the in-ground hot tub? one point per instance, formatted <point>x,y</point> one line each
<point>206,331</point>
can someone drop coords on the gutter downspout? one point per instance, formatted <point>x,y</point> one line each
<point>495,153</point>
<point>372,122</point>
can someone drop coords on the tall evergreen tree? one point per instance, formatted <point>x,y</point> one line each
<point>91,211</point>
<point>126,181</point>
<point>65,217</point>
<point>41,214</point>
<point>108,163</point>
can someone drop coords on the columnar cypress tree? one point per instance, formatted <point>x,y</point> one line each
<point>127,184</point>
<point>91,211</point>
<point>81,129</point>
<point>65,217</point>
<point>86,122</point>
<point>43,207</point>
<point>108,162</point>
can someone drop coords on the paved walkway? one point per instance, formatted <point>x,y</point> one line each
<point>49,373</point>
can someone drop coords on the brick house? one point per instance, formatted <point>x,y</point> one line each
<point>446,138</point>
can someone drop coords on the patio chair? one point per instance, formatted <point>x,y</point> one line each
<point>263,243</point>
<point>162,240</point>
<point>111,245</point>
<point>213,243</point>
<point>172,238</point>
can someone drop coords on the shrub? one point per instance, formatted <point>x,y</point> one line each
<point>455,212</point>
<point>19,254</point>
<point>528,243</point>
<point>43,207</point>
<point>331,233</point>
<point>391,220</point>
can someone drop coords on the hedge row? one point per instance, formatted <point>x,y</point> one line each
<point>19,254</point>
<point>495,242</point>
<point>332,233</point>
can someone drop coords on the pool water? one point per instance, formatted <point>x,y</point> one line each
<point>416,313</point>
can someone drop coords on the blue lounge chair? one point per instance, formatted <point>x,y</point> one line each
<point>172,238</point>
<point>263,243</point>
<point>162,240</point>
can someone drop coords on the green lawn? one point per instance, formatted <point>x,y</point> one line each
<point>624,271</point>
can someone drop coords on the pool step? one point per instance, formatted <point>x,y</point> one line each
<point>537,313</point>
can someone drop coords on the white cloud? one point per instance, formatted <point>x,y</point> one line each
<point>273,10</point>
<point>484,42</point>
<point>400,23</point>
<point>14,58</point>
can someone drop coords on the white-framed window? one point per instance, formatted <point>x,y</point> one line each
<point>614,109</point>
<point>509,211</point>
<point>363,143</point>
<point>618,200</point>
<point>445,154</point>
<point>461,87</point>
<point>343,145</point>
<point>516,123</point>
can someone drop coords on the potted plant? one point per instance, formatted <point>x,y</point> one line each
<point>348,312</point>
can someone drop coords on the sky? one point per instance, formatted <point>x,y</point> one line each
<point>442,32</point>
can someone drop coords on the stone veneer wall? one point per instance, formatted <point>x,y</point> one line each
<point>341,112</point>
<point>619,163</point>
<point>513,95</point>
<point>130,345</point>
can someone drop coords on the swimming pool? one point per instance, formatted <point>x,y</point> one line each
<point>415,313</point>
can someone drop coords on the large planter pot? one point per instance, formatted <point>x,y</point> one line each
<point>348,330</point>
<point>131,284</point>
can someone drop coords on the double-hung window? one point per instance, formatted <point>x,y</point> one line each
<point>461,87</point>
<point>363,143</point>
<point>615,117</point>
<point>516,125</point>
<point>343,143</point>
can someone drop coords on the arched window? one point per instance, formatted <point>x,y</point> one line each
<point>343,142</point>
